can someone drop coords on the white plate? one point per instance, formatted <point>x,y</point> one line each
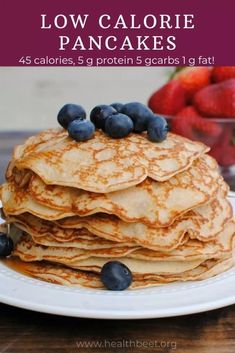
<point>168,300</point>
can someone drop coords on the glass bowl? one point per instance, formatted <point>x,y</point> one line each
<point>219,135</point>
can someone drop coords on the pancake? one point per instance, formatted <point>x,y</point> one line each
<point>102,164</point>
<point>206,269</point>
<point>27,250</point>
<point>149,202</point>
<point>189,249</point>
<point>17,200</point>
<point>203,223</point>
<point>18,152</point>
<point>159,208</point>
<point>79,238</point>
<point>59,274</point>
<point>148,273</point>
<point>221,246</point>
<point>137,234</point>
<point>193,250</point>
<point>80,242</point>
<point>140,268</point>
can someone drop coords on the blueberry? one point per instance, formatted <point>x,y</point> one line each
<point>100,113</point>
<point>118,125</point>
<point>6,245</point>
<point>117,106</point>
<point>116,276</point>
<point>70,112</point>
<point>81,130</point>
<point>139,113</point>
<point>157,129</point>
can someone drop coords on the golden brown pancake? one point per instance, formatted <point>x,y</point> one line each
<point>159,208</point>
<point>191,251</point>
<point>27,250</point>
<point>59,274</point>
<point>149,202</point>
<point>102,164</point>
<point>203,223</point>
<point>30,251</point>
<point>17,200</point>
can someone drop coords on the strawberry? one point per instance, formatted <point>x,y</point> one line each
<point>182,123</point>
<point>188,112</point>
<point>168,100</point>
<point>216,152</point>
<point>222,73</point>
<point>224,150</point>
<point>228,156</point>
<point>225,156</point>
<point>207,127</point>
<point>217,100</point>
<point>190,124</point>
<point>193,79</point>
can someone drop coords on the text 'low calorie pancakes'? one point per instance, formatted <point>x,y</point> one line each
<point>161,209</point>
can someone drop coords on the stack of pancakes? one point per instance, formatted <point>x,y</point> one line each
<point>159,208</point>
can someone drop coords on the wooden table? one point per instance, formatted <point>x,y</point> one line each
<point>24,331</point>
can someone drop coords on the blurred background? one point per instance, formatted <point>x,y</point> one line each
<point>31,97</point>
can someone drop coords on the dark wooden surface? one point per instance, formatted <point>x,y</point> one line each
<point>28,332</point>
<point>24,331</point>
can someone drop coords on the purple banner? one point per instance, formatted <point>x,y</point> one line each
<point>123,33</point>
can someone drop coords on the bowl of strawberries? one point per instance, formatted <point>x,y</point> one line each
<point>199,103</point>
